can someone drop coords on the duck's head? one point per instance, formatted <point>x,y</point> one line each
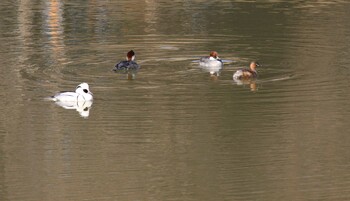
<point>130,56</point>
<point>254,64</point>
<point>214,55</point>
<point>83,88</point>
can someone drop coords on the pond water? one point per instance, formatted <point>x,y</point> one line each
<point>173,131</point>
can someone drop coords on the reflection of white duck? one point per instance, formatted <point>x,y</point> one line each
<point>82,93</point>
<point>83,107</point>
<point>213,63</point>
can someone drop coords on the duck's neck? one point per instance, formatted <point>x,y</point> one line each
<point>130,58</point>
<point>253,67</point>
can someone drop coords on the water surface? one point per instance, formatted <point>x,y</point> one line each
<point>174,132</point>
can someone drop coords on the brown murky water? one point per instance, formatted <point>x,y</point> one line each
<point>174,132</point>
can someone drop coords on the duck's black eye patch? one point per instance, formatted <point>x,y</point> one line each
<point>85,90</point>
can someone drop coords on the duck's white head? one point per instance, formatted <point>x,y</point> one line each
<point>83,88</point>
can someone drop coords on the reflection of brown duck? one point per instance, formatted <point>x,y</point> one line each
<point>247,73</point>
<point>248,82</point>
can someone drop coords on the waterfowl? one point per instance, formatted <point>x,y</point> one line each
<point>82,93</point>
<point>247,73</point>
<point>128,64</point>
<point>212,60</point>
<point>211,63</point>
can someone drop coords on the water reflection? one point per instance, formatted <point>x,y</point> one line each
<point>150,16</point>
<point>250,146</point>
<point>82,107</point>
<point>247,82</point>
<point>212,70</point>
<point>127,74</point>
<point>53,28</point>
<point>25,33</point>
<point>25,25</point>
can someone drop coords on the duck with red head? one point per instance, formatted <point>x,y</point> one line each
<point>211,63</point>
<point>247,73</point>
<point>128,64</point>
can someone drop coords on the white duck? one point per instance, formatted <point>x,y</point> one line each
<point>211,63</point>
<point>82,93</point>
